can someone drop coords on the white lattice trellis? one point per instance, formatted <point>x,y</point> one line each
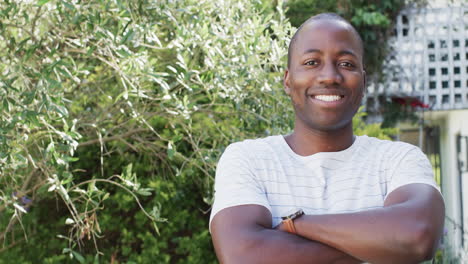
<point>429,57</point>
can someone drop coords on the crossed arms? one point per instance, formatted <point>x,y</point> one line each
<point>407,229</point>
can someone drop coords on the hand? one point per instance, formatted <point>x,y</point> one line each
<point>344,260</point>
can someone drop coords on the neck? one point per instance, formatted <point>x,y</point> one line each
<point>306,141</point>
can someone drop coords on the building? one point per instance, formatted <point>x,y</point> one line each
<point>427,69</point>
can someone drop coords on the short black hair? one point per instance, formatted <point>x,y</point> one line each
<point>323,16</point>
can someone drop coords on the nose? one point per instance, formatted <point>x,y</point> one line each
<point>329,75</point>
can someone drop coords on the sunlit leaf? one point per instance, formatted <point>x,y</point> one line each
<point>42,2</point>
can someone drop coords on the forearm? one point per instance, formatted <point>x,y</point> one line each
<point>385,235</point>
<point>274,246</point>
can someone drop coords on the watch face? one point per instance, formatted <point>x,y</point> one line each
<point>294,215</point>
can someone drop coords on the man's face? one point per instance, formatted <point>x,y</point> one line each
<point>325,79</point>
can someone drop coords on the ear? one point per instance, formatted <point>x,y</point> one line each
<point>286,82</point>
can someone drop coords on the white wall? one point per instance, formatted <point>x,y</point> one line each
<point>451,124</point>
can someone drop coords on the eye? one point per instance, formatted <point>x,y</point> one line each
<point>347,64</point>
<point>311,63</point>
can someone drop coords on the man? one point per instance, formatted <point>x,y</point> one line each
<point>364,199</point>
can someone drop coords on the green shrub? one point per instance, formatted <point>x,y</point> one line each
<point>108,105</point>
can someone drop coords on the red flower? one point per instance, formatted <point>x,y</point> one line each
<point>409,101</point>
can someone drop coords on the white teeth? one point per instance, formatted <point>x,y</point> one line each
<point>328,98</point>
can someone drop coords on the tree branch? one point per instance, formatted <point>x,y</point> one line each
<point>116,137</point>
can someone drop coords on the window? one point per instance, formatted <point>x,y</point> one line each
<point>444,57</point>
<point>443,44</point>
<point>431,44</point>
<point>405,32</point>
<point>445,99</point>
<point>445,84</point>
<point>404,19</point>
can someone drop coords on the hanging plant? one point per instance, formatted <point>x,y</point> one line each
<point>402,109</point>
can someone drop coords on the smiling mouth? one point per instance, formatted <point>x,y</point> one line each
<point>328,98</point>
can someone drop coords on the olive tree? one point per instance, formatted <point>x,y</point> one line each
<point>94,93</point>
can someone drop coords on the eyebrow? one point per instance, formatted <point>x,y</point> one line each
<point>342,52</point>
<point>312,51</point>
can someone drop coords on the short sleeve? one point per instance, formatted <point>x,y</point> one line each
<point>413,167</point>
<point>235,183</point>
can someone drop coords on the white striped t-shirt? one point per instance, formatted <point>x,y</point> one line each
<point>267,172</point>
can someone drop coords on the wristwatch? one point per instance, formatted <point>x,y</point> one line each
<point>288,221</point>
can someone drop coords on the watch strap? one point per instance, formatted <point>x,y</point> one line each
<point>289,225</point>
<point>288,221</point>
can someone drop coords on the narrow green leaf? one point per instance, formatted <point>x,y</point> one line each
<point>144,191</point>
<point>6,105</point>
<point>68,5</point>
<point>42,2</point>
<point>90,50</point>
<point>123,53</point>
<point>170,150</point>
<point>128,37</point>
<point>78,256</point>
